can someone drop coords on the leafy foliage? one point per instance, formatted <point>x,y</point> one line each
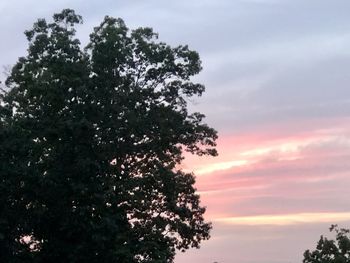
<point>90,144</point>
<point>331,251</point>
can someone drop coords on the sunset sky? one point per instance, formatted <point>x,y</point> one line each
<point>278,92</point>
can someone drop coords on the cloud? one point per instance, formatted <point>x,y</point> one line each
<point>278,143</point>
<point>288,174</point>
<point>287,219</point>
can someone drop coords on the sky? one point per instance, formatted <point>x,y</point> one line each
<point>277,91</point>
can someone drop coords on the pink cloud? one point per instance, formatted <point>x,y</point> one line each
<point>283,184</point>
<point>284,173</point>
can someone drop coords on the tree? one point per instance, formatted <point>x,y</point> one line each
<point>331,251</point>
<point>91,141</point>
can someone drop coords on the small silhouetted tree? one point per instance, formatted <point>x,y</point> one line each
<point>329,250</point>
<point>90,143</point>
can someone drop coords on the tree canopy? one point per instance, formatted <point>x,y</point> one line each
<point>329,250</point>
<point>91,141</point>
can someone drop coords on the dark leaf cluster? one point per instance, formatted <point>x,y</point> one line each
<point>331,250</point>
<point>91,142</point>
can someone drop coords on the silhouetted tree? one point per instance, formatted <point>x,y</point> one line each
<point>90,146</point>
<point>331,251</point>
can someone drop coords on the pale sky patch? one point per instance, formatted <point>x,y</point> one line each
<point>287,219</point>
